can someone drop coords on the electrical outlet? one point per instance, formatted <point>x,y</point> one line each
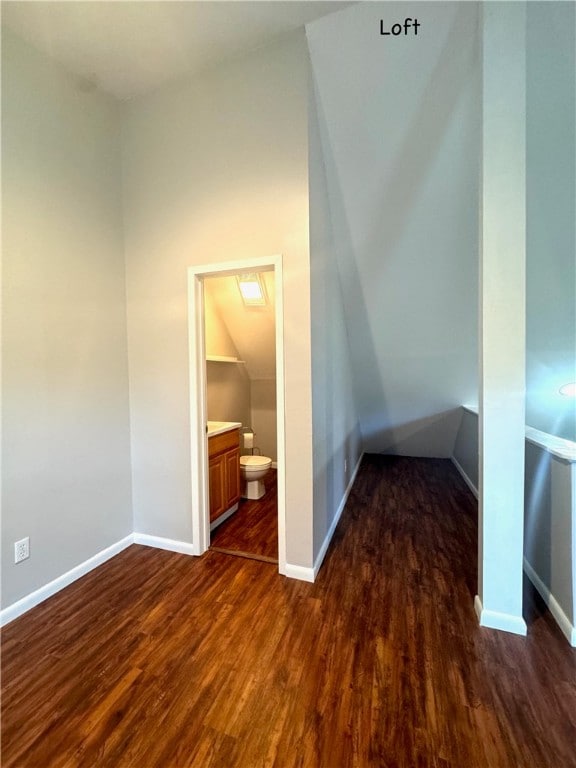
<point>22,550</point>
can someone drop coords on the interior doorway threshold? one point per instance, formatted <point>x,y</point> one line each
<point>248,555</point>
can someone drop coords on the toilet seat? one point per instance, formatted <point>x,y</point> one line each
<point>254,462</point>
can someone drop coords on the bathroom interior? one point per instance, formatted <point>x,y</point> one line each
<point>239,323</point>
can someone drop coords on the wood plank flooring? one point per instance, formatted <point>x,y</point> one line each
<point>253,530</point>
<point>160,660</point>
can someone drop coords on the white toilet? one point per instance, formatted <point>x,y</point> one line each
<point>253,469</point>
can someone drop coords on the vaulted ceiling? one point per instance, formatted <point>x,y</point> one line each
<point>252,329</point>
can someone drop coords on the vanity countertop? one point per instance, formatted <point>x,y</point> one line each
<point>218,427</point>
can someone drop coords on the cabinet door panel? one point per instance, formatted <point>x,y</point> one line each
<point>232,477</point>
<point>216,474</point>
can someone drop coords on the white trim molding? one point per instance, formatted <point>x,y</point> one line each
<point>299,572</point>
<point>326,543</point>
<point>23,605</point>
<point>223,517</point>
<point>170,545</point>
<point>43,593</point>
<point>309,574</point>
<point>567,628</point>
<point>198,396</point>
<point>465,477</point>
<point>506,622</point>
<point>557,446</point>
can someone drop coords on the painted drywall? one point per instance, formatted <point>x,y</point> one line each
<point>263,416</point>
<point>214,170</point>
<point>227,384</point>
<point>336,432</point>
<point>466,447</point>
<point>227,393</point>
<point>502,317</point>
<point>551,218</point>
<point>65,430</point>
<point>549,519</point>
<point>244,392</point>
<point>252,329</point>
<point>217,338</point>
<point>399,120</point>
<point>549,525</point>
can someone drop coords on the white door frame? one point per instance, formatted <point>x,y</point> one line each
<point>198,411</point>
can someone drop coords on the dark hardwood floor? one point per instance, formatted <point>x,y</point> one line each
<point>253,530</point>
<point>160,660</point>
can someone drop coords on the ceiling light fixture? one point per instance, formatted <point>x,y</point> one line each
<point>252,290</point>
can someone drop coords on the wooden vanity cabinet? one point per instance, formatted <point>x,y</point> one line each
<point>223,472</point>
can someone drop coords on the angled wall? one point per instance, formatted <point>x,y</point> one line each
<point>227,384</point>
<point>336,430</point>
<point>399,127</point>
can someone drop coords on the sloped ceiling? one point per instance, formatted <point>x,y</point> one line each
<point>129,48</point>
<point>252,329</point>
<point>400,142</point>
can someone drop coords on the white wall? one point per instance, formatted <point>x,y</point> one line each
<point>66,460</point>
<point>551,216</point>
<point>336,431</point>
<point>466,448</point>
<point>215,169</point>
<point>549,514</point>
<point>549,523</point>
<point>263,416</point>
<point>502,317</point>
<point>227,384</point>
<point>227,393</point>
<point>218,340</point>
<point>252,329</point>
<point>400,138</point>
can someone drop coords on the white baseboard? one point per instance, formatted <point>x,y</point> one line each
<point>478,606</point>
<point>309,574</point>
<point>506,622</point>
<point>299,572</point>
<point>171,545</point>
<point>292,571</point>
<point>326,543</point>
<point>38,596</point>
<point>224,516</point>
<point>465,477</point>
<point>567,628</point>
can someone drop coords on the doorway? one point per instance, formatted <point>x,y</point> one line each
<point>239,337</point>
<point>199,396</point>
